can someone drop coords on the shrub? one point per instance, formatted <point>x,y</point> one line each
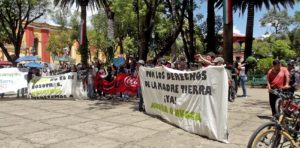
<point>251,60</point>
<point>263,65</point>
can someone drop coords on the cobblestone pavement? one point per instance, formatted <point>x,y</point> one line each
<point>95,124</point>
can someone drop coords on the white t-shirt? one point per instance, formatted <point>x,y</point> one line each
<point>243,71</point>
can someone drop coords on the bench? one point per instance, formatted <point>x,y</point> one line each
<point>259,80</point>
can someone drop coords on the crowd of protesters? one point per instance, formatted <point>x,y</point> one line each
<point>90,74</point>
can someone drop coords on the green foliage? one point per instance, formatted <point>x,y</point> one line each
<point>202,24</point>
<point>99,22</point>
<point>279,20</point>
<point>15,16</point>
<point>297,18</point>
<point>125,17</point>
<point>262,48</point>
<point>251,60</point>
<point>281,49</point>
<point>98,34</point>
<point>58,41</point>
<point>129,46</point>
<point>294,37</point>
<point>263,65</point>
<point>74,24</point>
<point>283,63</point>
<point>60,17</point>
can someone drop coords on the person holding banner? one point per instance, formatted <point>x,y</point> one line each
<point>101,75</point>
<point>32,73</point>
<point>139,93</point>
<point>207,60</point>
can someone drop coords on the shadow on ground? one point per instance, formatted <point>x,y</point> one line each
<point>257,103</point>
<point>111,103</point>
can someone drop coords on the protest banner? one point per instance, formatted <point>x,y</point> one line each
<point>196,101</point>
<point>11,79</point>
<point>121,83</point>
<point>53,87</point>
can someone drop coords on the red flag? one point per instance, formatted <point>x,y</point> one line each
<point>81,33</point>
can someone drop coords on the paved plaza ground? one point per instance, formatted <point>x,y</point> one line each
<point>95,124</point>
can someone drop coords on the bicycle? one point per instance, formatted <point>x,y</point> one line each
<point>284,128</point>
<point>279,92</point>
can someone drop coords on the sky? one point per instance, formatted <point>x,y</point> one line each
<point>239,22</point>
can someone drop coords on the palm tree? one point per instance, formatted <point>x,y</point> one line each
<point>211,36</point>
<point>83,5</point>
<point>251,5</point>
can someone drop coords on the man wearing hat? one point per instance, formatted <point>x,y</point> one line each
<point>139,93</point>
<point>218,61</point>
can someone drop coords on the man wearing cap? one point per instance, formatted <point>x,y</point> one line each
<point>218,61</point>
<point>139,93</point>
<point>278,78</point>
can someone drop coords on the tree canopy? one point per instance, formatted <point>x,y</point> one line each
<point>279,20</point>
<point>15,16</point>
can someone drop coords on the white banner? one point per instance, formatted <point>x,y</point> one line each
<point>196,101</point>
<point>53,87</point>
<point>11,79</point>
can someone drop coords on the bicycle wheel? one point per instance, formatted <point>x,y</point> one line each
<point>260,129</point>
<point>273,138</point>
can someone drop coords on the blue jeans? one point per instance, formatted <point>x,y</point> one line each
<point>243,80</point>
<point>141,99</point>
<point>90,90</point>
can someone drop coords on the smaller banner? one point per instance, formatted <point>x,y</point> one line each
<point>11,79</point>
<point>53,87</point>
<point>121,83</point>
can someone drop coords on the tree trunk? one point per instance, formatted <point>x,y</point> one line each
<point>175,32</point>
<point>169,42</point>
<point>84,46</point>
<point>110,24</point>
<point>17,51</point>
<point>191,31</point>
<point>211,36</point>
<point>144,43</point>
<point>186,49</point>
<point>146,30</point>
<point>18,43</point>
<point>5,51</point>
<point>249,31</point>
<point>228,34</point>
<point>228,42</point>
